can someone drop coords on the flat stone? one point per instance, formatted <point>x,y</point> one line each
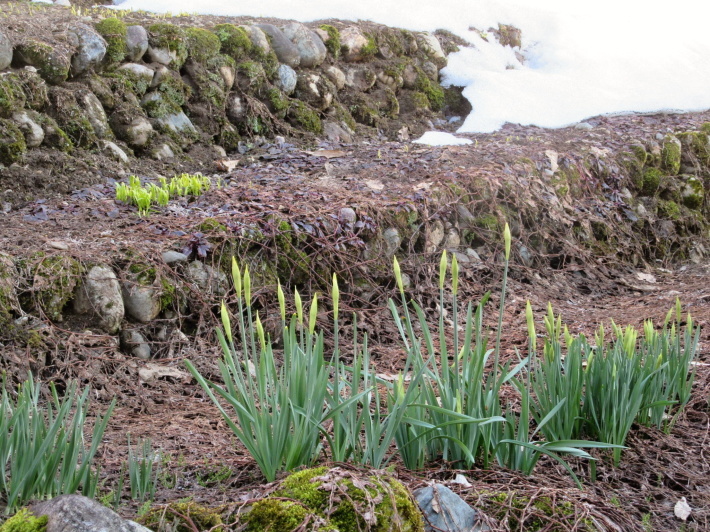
<point>445,511</point>
<point>112,150</point>
<point>136,42</point>
<point>286,79</point>
<point>171,257</point>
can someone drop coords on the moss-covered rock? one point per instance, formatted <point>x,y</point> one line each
<point>53,280</point>
<point>693,192</point>
<point>52,62</point>
<point>650,181</point>
<point>113,30</point>
<point>12,142</point>
<point>130,79</point>
<point>695,146</point>
<point>169,37</point>
<point>202,45</point>
<point>25,521</point>
<point>304,117</point>
<point>71,117</point>
<point>670,154</point>
<point>669,209</point>
<point>350,501</point>
<point>54,136</point>
<point>431,89</point>
<point>183,516</point>
<point>234,41</point>
<point>12,97</point>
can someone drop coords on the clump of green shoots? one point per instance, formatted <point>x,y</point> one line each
<point>144,197</point>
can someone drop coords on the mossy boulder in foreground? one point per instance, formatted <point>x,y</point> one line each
<point>338,499</point>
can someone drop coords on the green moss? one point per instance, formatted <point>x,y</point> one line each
<point>25,521</point>
<point>228,137</point>
<point>53,65</point>
<point>370,49</point>
<point>384,500</point>
<point>183,516</point>
<point>705,128</point>
<point>333,42</point>
<point>525,513</point>
<point>12,143</point>
<point>304,117</point>
<point>669,209</point>
<point>71,117</point>
<point>254,74</point>
<point>54,279</point>
<point>113,30</point>
<point>124,81</point>
<point>420,100</point>
<point>210,86</point>
<point>54,136</point>
<point>693,193</point>
<point>278,102</point>
<point>210,225</point>
<point>202,45</point>
<point>167,295</point>
<point>170,37</point>
<point>650,181</point>
<point>160,107</point>
<point>487,221</point>
<point>697,143</point>
<point>670,155</point>
<point>143,274</point>
<point>12,97</point>
<point>342,114</point>
<point>432,90</point>
<point>276,514</point>
<point>234,41</point>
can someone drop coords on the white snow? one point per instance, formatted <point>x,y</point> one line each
<point>582,58</point>
<point>441,138</point>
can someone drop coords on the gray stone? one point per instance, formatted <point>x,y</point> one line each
<point>94,112</point>
<point>584,126</point>
<point>360,79</point>
<point>136,42</point>
<point>139,70</point>
<point>286,79</point>
<point>390,80</point>
<point>164,56</point>
<point>347,215</point>
<point>466,217</point>
<point>432,48</point>
<point>236,110</point>
<point>209,280</point>
<point>160,75</point>
<point>352,41</point>
<point>430,70</point>
<point>284,49</point>
<point>112,150</point>
<point>229,75</point>
<point>63,3</point>
<point>90,48</point>
<point>33,132</point>
<point>258,38</point>
<point>336,132</point>
<point>162,152</point>
<point>76,513</point>
<point>310,47</point>
<point>53,62</point>
<point>172,257</point>
<point>445,511</point>
<point>134,343</point>
<point>135,132</point>
<point>471,253</point>
<point>315,90</point>
<point>336,76</point>
<point>452,240</point>
<point>5,51</point>
<point>409,77</point>
<point>392,240</point>
<point>525,255</point>
<point>177,123</point>
<point>142,302</point>
<point>435,236</point>
<point>100,295</point>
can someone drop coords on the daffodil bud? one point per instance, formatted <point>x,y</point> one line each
<point>237,278</point>
<point>530,318</point>
<point>442,270</point>
<point>299,306</point>
<point>313,314</point>
<point>247,286</point>
<point>226,324</point>
<point>336,297</point>
<point>454,275</point>
<point>282,301</point>
<point>398,275</point>
<point>506,239</point>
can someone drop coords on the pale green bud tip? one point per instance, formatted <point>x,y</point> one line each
<point>398,274</point>
<point>442,270</point>
<point>299,306</point>
<point>506,239</point>
<point>282,301</point>
<point>226,324</point>
<point>247,285</point>
<point>454,274</point>
<point>313,314</point>
<point>336,296</point>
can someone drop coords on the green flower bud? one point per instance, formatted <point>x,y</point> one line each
<point>336,297</point>
<point>506,239</point>
<point>226,324</point>
<point>442,270</point>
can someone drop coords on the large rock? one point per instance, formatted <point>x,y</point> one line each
<point>136,42</point>
<point>33,132</point>
<point>445,511</point>
<point>134,343</point>
<point>90,48</point>
<point>94,112</point>
<point>286,79</point>
<point>258,38</point>
<point>131,126</point>
<point>236,108</point>
<point>140,71</point>
<point>315,90</point>
<point>100,296</point>
<point>309,45</point>
<point>52,62</point>
<point>141,300</point>
<point>206,279</point>
<point>336,76</point>
<point>284,49</point>
<point>431,46</point>
<point>112,150</point>
<point>353,42</point>
<point>5,51</point>
<point>177,123</point>
<point>76,513</point>
<point>360,79</point>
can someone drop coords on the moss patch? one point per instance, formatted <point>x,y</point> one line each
<point>54,136</point>
<point>12,97</point>
<point>305,117</point>
<point>53,282</point>
<point>25,521</point>
<point>650,181</point>
<point>333,43</point>
<point>71,117</point>
<point>432,90</point>
<point>178,517</point>
<point>52,64</point>
<point>693,193</point>
<point>669,209</point>
<point>234,41</point>
<point>202,45</point>
<point>12,142</point>
<point>170,37</point>
<point>670,154</point>
<point>113,30</point>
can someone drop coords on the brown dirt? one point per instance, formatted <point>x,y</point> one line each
<point>70,201</point>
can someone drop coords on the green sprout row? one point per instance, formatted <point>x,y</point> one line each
<point>151,194</point>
